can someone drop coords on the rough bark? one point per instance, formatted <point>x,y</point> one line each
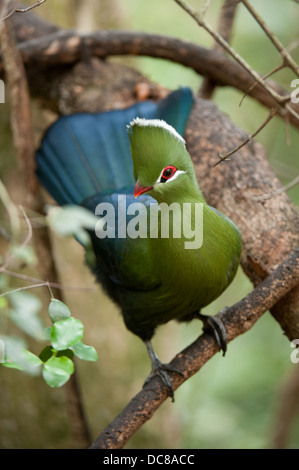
<point>270,228</point>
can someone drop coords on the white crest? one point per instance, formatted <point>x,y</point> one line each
<point>142,122</point>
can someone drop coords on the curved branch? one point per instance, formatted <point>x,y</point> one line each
<point>68,47</point>
<point>237,320</point>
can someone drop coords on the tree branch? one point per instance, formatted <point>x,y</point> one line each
<point>286,57</point>
<point>282,101</point>
<point>225,26</point>
<point>270,116</point>
<point>237,320</point>
<point>25,151</point>
<point>21,10</point>
<point>270,228</point>
<point>222,42</point>
<point>67,47</point>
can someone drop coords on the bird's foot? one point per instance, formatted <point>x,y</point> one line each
<point>215,326</point>
<point>161,370</point>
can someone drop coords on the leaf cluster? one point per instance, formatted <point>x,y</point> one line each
<point>55,361</point>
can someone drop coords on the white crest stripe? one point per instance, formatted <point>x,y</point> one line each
<point>156,123</point>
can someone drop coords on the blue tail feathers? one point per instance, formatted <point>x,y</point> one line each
<point>84,154</point>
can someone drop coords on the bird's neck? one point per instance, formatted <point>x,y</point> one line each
<point>191,194</point>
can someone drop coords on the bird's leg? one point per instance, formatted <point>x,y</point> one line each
<point>216,328</point>
<point>160,369</point>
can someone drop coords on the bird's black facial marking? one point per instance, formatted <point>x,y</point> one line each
<point>167,173</point>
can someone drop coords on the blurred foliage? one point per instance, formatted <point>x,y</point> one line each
<point>232,402</point>
<point>55,361</point>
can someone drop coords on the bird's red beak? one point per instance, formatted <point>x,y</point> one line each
<point>138,190</point>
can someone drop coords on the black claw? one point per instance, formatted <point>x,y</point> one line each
<point>216,327</point>
<point>161,370</point>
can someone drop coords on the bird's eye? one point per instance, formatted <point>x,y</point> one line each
<point>167,173</point>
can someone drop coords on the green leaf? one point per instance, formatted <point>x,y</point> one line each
<point>66,332</point>
<point>32,358</point>
<point>12,365</point>
<point>25,314</point>
<point>58,310</point>
<point>46,353</point>
<point>57,371</point>
<point>72,220</point>
<point>65,352</point>
<point>16,356</point>
<point>24,253</point>
<point>47,333</point>
<point>87,353</point>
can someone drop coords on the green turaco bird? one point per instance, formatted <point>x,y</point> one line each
<point>161,252</point>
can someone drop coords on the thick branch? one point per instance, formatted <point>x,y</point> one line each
<point>237,320</point>
<point>270,228</point>
<point>20,106</point>
<point>67,47</point>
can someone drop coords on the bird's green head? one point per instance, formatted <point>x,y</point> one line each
<point>162,165</point>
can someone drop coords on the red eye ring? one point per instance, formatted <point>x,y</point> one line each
<point>167,173</point>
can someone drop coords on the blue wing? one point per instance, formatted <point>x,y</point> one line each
<point>84,154</point>
<point>85,159</point>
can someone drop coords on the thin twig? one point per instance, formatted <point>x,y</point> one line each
<point>22,10</point>
<point>18,289</point>
<point>285,188</point>
<point>23,244</point>
<point>225,26</point>
<point>222,158</point>
<point>205,7</point>
<point>286,57</point>
<point>29,228</point>
<point>293,45</point>
<point>55,285</point>
<point>217,37</point>
<point>11,211</point>
<point>279,67</point>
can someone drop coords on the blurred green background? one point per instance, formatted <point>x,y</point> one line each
<point>232,402</point>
